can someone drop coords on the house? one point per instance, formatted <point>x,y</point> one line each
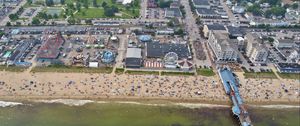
<point>284,43</point>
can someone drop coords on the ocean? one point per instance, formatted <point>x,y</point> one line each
<point>104,113</point>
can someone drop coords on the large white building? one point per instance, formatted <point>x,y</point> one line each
<point>221,46</point>
<point>255,49</point>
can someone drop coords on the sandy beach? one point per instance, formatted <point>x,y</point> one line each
<point>27,85</point>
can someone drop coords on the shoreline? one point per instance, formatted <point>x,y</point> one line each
<point>110,87</point>
<point>151,100</point>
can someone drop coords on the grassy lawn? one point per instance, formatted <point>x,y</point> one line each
<point>289,75</point>
<point>119,71</point>
<point>270,75</point>
<point>205,72</point>
<point>142,72</point>
<point>177,73</point>
<point>69,69</point>
<point>90,13</point>
<point>12,68</point>
<point>93,12</point>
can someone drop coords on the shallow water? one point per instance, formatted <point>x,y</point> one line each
<point>121,114</point>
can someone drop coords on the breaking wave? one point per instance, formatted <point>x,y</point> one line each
<point>70,102</point>
<point>200,105</point>
<point>277,106</point>
<point>9,104</point>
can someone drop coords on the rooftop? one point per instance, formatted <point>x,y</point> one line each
<point>216,27</point>
<point>134,53</point>
<point>157,50</point>
<point>50,48</point>
<point>201,2</point>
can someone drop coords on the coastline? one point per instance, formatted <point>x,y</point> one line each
<point>110,87</point>
<point>150,100</point>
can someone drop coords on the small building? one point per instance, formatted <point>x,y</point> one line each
<point>94,64</point>
<point>133,58</point>
<point>185,65</point>
<point>238,9</point>
<point>288,67</point>
<point>145,38</point>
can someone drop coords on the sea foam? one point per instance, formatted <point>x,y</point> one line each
<point>9,104</point>
<point>200,105</point>
<point>277,106</point>
<point>70,102</point>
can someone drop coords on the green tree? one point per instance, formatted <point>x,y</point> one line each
<point>49,3</point>
<point>8,23</point>
<point>62,2</point>
<point>78,6</point>
<point>13,17</point>
<point>95,4</point>
<point>35,21</point>
<point>86,4</point>
<point>29,2</point>
<point>295,6</point>
<point>104,4</point>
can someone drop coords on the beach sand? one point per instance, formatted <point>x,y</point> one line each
<point>26,85</point>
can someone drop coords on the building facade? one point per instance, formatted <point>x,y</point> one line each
<point>255,49</point>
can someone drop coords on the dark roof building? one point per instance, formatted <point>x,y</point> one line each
<point>207,13</point>
<point>288,67</point>
<point>235,32</point>
<point>133,58</point>
<point>159,50</point>
<point>201,3</point>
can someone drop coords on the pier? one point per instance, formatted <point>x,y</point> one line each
<point>230,83</point>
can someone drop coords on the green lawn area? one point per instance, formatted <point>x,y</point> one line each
<point>90,13</point>
<point>289,75</point>
<point>205,72</point>
<point>141,72</point>
<point>119,71</point>
<point>69,69</point>
<point>270,75</point>
<point>93,12</point>
<point>12,68</point>
<point>177,73</point>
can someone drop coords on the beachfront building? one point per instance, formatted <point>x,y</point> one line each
<point>133,58</point>
<point>256,51</point>
<point>222,48</point>
<point>288,67</point>
<point>159,50</point>
<point>289,49</point>
<point>49,51</point>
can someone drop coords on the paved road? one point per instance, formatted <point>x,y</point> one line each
<point>6,19</point>
<point>194,34</point>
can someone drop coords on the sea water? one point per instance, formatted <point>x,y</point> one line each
<point>103,113</point>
